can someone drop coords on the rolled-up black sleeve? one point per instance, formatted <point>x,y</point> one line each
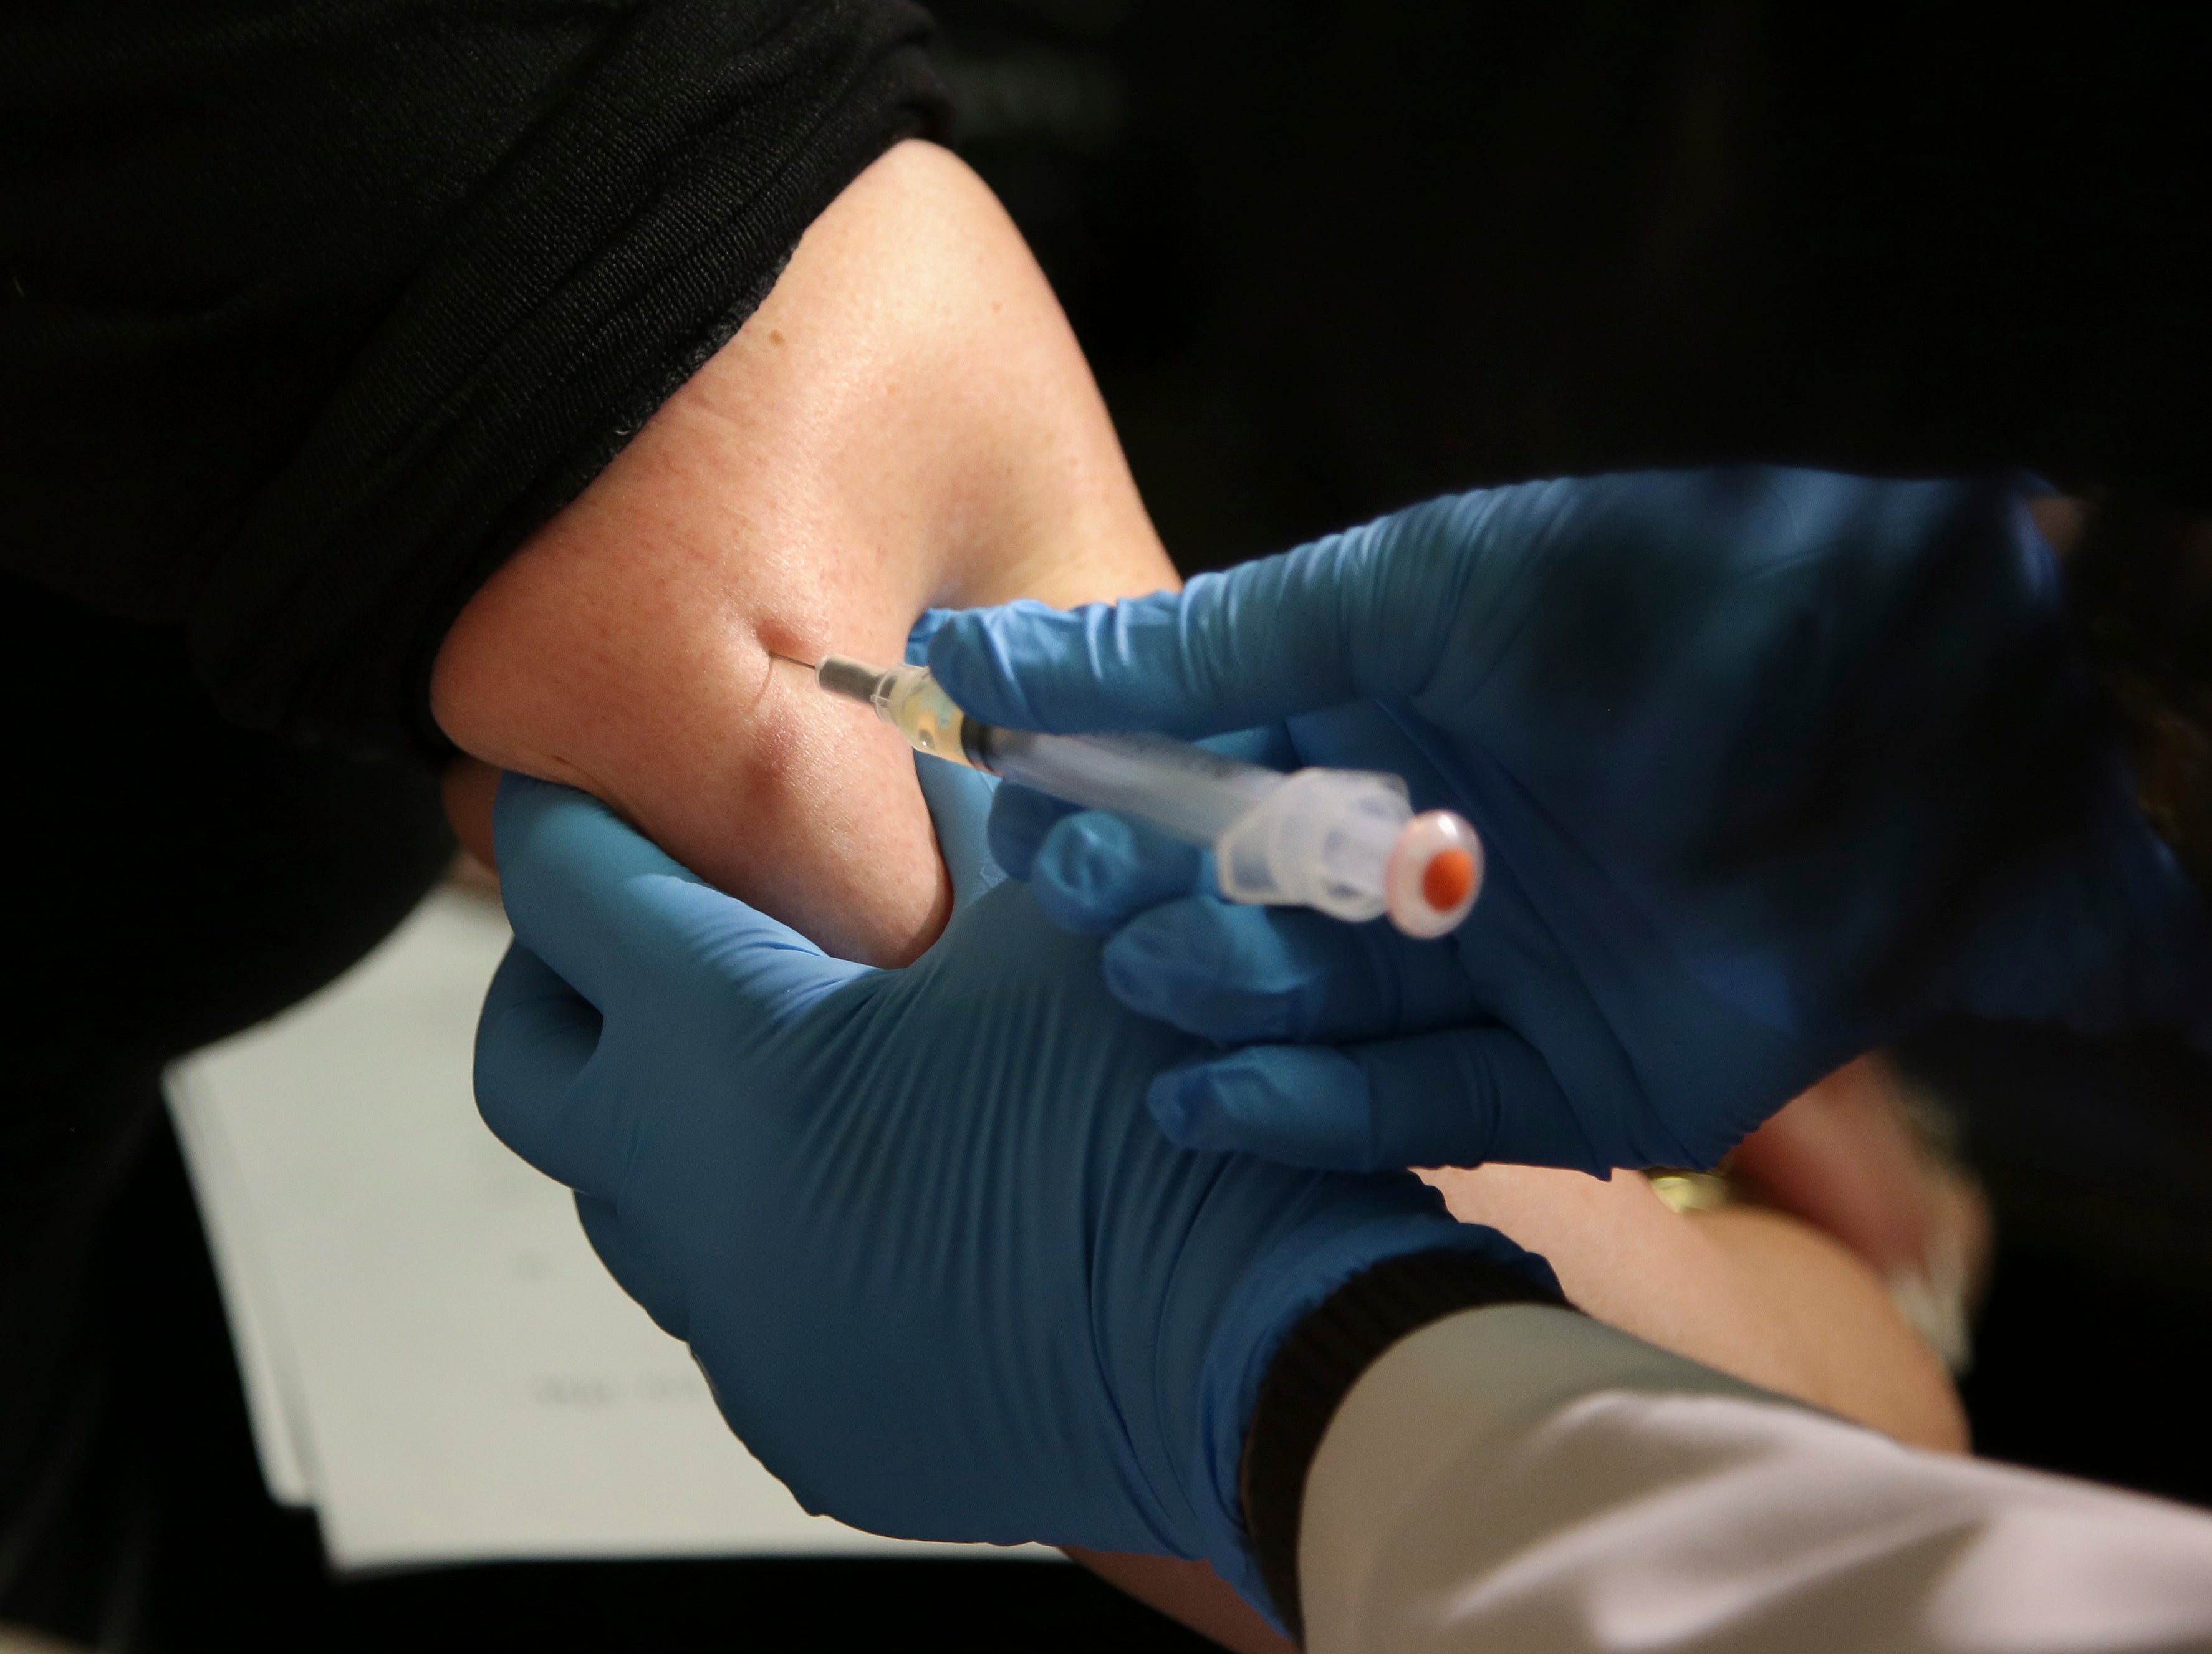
<point>310,314</point>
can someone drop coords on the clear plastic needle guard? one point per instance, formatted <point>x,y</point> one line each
<point>1346,842</point>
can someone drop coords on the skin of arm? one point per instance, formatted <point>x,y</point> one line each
<point>906,421</point>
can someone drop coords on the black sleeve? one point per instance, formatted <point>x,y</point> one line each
<point>310,314</point>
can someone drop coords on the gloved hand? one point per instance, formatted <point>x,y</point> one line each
<point>1770,767</point>
<point>946,1279</point>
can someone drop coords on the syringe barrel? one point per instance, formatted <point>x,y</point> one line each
<point>1187,791</point>
<point>1344,841</point>
<point>1320,838</point>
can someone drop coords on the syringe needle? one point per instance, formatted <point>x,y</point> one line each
<point>792,659</point>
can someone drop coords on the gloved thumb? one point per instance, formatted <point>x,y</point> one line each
<point>1456,1098</point>
<point>1366,614</point>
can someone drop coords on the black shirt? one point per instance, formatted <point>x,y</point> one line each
<point>310,313</point>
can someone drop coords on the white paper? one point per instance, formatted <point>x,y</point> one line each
<point>432,1354</point>
<point>249,1297</point>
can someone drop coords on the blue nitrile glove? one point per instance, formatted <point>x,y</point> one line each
<point>1771,766</point>
<point>946,1279</point>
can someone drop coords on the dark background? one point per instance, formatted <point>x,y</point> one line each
<point>1329,256</point>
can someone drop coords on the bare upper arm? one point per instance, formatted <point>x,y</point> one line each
<point>905,421</point>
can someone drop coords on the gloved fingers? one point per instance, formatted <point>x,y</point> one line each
<point>1364,614</point>
<point>1020,818</point>
<point>603,1227</point>
<point>960,808</point>
<point>1097,871</point>
<point>535,1042</point>
<point>1241,974</point>
<point>1455,1098</point>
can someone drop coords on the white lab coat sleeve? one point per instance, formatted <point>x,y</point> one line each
<point>1523,1478</point>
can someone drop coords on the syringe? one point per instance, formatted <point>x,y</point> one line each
<point>1346,842</point>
